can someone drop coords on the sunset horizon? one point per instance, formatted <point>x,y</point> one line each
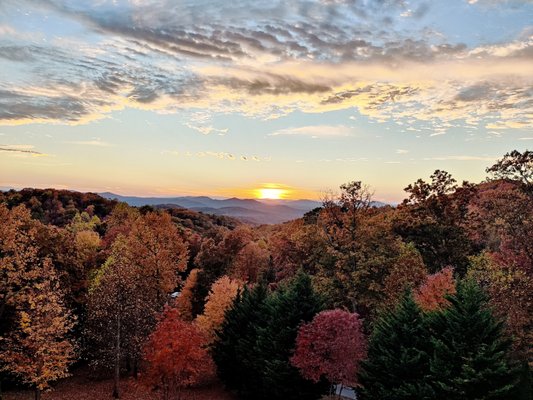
<point>219,99</point>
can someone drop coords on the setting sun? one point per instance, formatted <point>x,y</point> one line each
<point>270,193</point>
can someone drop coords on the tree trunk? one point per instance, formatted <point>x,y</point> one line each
<point>37,394</point>
<point>340,390</point>
<point>116,393</point>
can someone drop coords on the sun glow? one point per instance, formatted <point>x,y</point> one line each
<point>270,193</point>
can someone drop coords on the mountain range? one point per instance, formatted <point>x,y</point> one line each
<point>264,211</point>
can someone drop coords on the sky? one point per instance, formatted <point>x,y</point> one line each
<point>220,98</point>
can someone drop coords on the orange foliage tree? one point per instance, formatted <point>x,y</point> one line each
<point>176,356</point>
<point>431,295</point>
<point>250,262</point>
<point>184,301</point>
<point>220,298</point>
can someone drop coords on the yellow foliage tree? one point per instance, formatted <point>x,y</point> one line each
<point>219,299</point>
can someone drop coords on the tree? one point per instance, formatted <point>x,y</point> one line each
<point>331,346</point>
<point>407,272</point>
<point>20,264</point>
<point>215,259</point>
<point>510,291</point>
<point>184,300</point>
<point>433,217</point>
<point>233,349</point>
<point>219,299</point>
<point>176,356</point>
<point>470,353</point>
<point>286,309</point>
<point>250,263</point>
<point>432,294</point>
<point>398,356</point>
<point>515,166</point>
<point>38,349</point>
<point>359,253</point>
<point>116,310</point>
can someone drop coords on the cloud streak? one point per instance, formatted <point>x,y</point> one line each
<point>315,132</point>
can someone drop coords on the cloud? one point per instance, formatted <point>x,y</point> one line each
<point>97,142</point>
<point>221,155</point>
<point>402,151</point>
<point>21,149</point>
<point>316,131</point>
<point>262,59</point>
<point>461,158</point>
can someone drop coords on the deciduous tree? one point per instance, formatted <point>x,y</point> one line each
<point>219,300</point>
<point>176,356</point>
<point>432,294</point>
<point>38,348</point>
<point>331,346</point>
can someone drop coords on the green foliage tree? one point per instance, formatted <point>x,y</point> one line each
<point>469,358</point>
<point>286,310</point>
<point>234,343</point>
<point>398,356</point>
<point>254,345</point>
<point>432,218</point>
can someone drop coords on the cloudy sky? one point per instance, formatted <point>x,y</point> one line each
<point>176,97</point>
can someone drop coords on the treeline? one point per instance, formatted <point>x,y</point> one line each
<point>437,293</point>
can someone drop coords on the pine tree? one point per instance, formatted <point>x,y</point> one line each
<point>235,340</point>
<point>470,352</point>
<point>398,360</point>
<point>276,341</point>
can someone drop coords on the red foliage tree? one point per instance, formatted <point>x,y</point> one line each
<point>331,346</point>
<point>431,295</point>
<point>176,355</point>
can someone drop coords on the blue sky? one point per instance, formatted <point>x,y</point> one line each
<point>219,98</point>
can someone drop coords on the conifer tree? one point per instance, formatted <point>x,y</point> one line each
<point>235,340</point>
<point>470,352</point>
<point>398,356</point>
<point>287,309</point>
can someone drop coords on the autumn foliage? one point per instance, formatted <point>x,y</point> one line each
<point>432,293</point>
<point>176,356</point>
<point>219,300</point>
<point>150,291</point>
<point>331,346</point>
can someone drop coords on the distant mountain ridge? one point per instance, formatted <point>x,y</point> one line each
<point>248,210</point>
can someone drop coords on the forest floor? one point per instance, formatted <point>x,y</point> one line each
<point>84,388</point>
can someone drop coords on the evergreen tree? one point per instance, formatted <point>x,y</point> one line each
<point>469,350</point>
<point>287,309</point>
<point>524,390</point>
<point>398,356</point>
<point>235,341</point>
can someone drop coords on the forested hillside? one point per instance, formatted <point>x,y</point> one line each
<point>432,299</point>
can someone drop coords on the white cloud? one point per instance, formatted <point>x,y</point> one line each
<point>97,142</point>
<point>460,158</point>
<point>402,151</point>
<point>316,131</point>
